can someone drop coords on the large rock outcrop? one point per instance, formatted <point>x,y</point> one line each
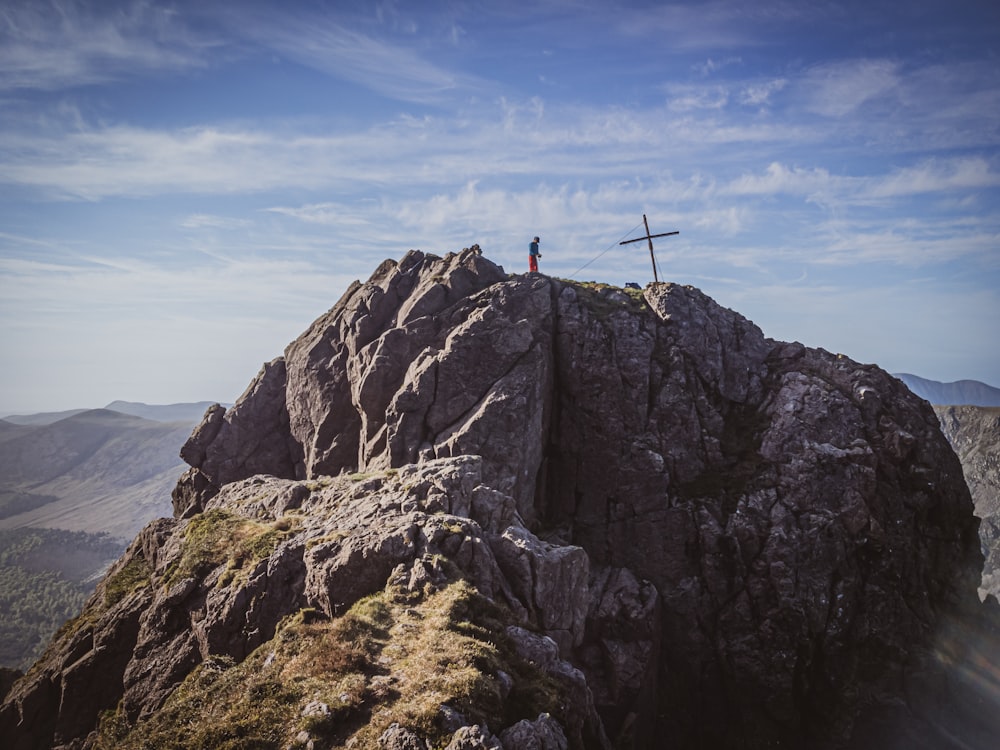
<point>974,433</point>
<point>677,532</point>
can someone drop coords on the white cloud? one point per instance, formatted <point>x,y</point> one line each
<point>209,221</point>
<point>517,114</point>
<point>773,162</point>
<point>16,239</point>
<point>838,89</point>
<point>725,221</point>
<point>386,67</point>
<point>326,214</point>
<point>123,160</point>
<point>759,94</point>
<point>952,177</point>
<point>682,98</point>
<point>711,66</point>
<point>939,175</point>
<point>95,162</point>
<point>778,179</point>
<point>715,25</point>
<point>908,241</point>
<point>48,45</point>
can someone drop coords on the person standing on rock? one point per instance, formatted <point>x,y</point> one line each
<point>533,255</point>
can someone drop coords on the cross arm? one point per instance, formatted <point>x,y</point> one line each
<point>648,237</point>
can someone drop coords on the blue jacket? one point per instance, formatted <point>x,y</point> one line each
<point>533,248</point>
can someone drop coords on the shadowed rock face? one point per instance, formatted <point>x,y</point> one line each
<point>725,541</point>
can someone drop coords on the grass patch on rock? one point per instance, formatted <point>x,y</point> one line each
<point>604,300</point>
<point>218,537</point>
<point>134,575</point>
<point>388,660</point>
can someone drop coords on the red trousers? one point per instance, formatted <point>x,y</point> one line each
<point>532,263</point>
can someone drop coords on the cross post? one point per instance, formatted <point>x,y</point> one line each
<point>649,238</point>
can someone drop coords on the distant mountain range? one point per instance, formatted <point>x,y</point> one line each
<point>959,393</point>
<point>75,487</point>
<point>99,470</point>
<point>186,412</point>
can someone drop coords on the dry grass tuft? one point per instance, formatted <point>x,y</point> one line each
<point>387,660</point>
<point>219,537</point>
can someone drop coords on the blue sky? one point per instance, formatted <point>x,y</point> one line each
<point>185,186</point>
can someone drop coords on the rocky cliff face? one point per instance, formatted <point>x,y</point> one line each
<point>468,510</point>
<point>974,433</point>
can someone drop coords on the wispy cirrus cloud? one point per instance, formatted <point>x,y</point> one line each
<point>937,176</point>
<point>98,162</point>
<point>212,221</point>
<point>953,176</point>
<point>388,66</point>
<point>328,213</point>
<point>710,66</point>
<point>780,179</point>
<point>92,162</point>
<point>840,88</point>
<point>681,98</point>
<point>587,145</point>
<point>814,157</point>
<point>124,160</point>
<point>758,94</point>
<point>50,45</point>
<point>713,25</point>
<point>905,244</point>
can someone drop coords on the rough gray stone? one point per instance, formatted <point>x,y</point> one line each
<point>473,738</point>
<point>544,733</point>
<point>549,580</point>
<point>193,451</point>
<point>400,738</point>
<point>620,656</point>
<point>974,433</point>
<point>252,437</point>
<point>580,724</point>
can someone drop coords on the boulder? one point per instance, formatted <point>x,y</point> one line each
<point>544,733</point>
<point>400,738</point>
<point>473,738</point>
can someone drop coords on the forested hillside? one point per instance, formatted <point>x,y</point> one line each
<point>72,492</point>
<point>46,576</point>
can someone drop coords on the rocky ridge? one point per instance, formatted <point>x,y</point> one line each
<point>643,523</point>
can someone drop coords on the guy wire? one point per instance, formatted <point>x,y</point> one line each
<point>605,251</point>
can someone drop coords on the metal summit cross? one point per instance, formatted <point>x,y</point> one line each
<point>649,237</point>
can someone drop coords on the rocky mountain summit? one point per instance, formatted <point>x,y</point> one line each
<point>471,510</point>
